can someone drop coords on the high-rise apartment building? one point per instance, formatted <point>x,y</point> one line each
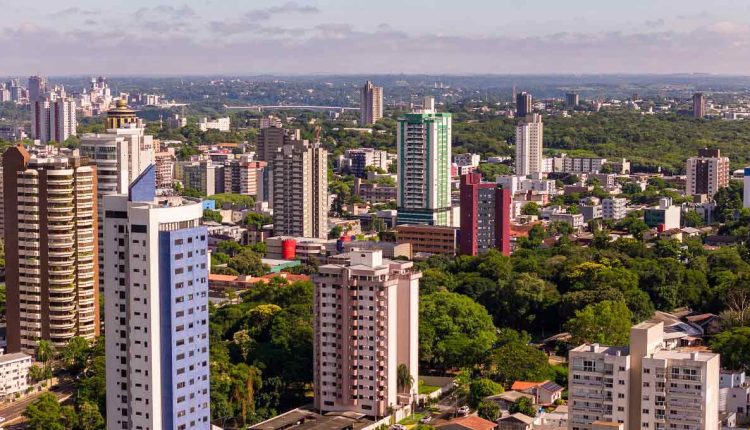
<point>38,87</point>
<point>571,99</point>
<point>164,162</point>
<point>707,173</point>
<point>204,176</point>
<point>50,249</point>
<point>529,139</point>
<point>366,325</point>
<point>423,141</point>
<point>523,104</point>
<point>614,208</point>
<point>244,176</point>
<point>156,310</point>
<point>370,104</point>
<point>300,190</point>
<point>53,120</point>
<point>362,158</point>
<point>485,216</point>
<point>120,155</point>
<point>271,138</point>
<point>699,105</point>
<point>647,386</point>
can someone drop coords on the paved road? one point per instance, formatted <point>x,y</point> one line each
<point>13,412</point>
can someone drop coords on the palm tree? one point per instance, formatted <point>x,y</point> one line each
<point>403,377</point>
<point>44,353</point>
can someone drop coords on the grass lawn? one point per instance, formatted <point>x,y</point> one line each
<point>427,389</point>
<point>411,419</point>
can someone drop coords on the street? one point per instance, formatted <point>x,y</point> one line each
<point>13,412</point>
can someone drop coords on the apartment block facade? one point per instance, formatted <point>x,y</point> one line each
<point>300,190</point>
<point>646,386</point>
<point>614,208</point>
<point>53,120</point>
<point>529,138</point>
<point>156,310</point>
<point>366,319</point>
<point>707,173</point>
<point>423,140</point>
<point>370,104</point>
<point>50,216</point>
<point>244,176</point>
<point>485,216</point>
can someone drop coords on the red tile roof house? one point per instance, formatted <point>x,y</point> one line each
<point>467,423</point>
<point>545,392</point>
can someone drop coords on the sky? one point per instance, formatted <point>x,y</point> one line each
<point>248,37</point>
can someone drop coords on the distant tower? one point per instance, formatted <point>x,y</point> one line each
<point>571,99</point>
<point>371,104</point>
<point>699,105</point>
<point>120,115</point>
<point>523,104</point>
<point>38,87</point>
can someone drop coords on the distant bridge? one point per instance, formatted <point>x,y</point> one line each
<point>291,107</point>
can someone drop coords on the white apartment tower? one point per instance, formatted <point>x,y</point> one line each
<point>300,190</point>
<point>614,208</point>
<point>529,138</point>
<point>120,155</point>
<point>156,310</point>
<point>53,120</point>
<point>366,325</point>
<point>662,389</point>
<point>370,104</point>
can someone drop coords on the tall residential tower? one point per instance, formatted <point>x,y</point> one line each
<point>370,104</point>
<point>529,138</point>
<point>424,166</point>
<point>50,249</point>
<point>366,325</point>
<point>156,310</point>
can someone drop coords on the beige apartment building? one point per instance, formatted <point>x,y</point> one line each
<point>366,319</point>
<point>648,386</point>
<point>370,104</point>
<point>51,249</point>
<point>300,190</point>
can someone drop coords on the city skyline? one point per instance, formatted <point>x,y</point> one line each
<point>577,37</point>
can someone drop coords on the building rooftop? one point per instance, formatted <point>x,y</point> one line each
<point>683,355</point>
<point>304,419</point>
<point>7,358</point>
<point>602,349</point>
<point>470,422</point>
<point>519,417</point>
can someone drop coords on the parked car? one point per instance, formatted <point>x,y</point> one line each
<point>426,419</point>
<point>397,427</point>
<point>463,410</point>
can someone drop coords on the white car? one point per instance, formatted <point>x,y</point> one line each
<point>463,410</point>
<point>397,427</point>
<point>426,419</point>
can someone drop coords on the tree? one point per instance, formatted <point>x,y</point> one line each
<point>734,347</point>
<point>89,417</point>
<point>45,351</point>
<point>525,406</point>
<point>489,411</point>
<point>209,215</point>
<point>516,360</point>
<point>44,414</point>
<point>530,208</point>
<point>481,388</point>
<point>692,219</point>
<point>75,353</point>
<point>454,331</point>
<point>248,262</point>
<point>404,378</point>
<point>607,322</point>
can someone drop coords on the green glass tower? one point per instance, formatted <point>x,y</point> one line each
<point>424,167</point>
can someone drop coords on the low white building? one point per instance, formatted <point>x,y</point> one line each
<point>221,124</point>
<point>14,374</point>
